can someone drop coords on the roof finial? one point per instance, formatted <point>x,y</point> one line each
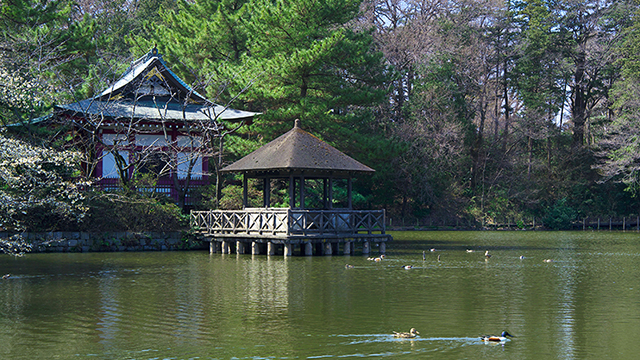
<point>296,124</point>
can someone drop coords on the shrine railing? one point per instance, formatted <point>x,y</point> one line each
<point>288,222</point>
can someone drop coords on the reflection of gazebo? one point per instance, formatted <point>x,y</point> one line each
<point>299,158</point>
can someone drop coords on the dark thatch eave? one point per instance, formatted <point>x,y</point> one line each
<point>297,152</point>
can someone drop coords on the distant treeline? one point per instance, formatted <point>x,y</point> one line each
<point>472,110</point>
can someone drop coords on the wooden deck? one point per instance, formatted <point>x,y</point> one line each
<point>285,226</point>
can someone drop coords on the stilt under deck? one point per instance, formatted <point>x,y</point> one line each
<point>277,231</point>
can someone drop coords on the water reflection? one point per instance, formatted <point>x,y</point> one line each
<point>192,304</point>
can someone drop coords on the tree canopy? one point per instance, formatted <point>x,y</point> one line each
<point>468,110</point>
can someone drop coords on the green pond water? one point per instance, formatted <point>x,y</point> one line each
<point>193,305</point>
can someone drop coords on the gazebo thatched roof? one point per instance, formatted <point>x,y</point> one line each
<point>298,152</point>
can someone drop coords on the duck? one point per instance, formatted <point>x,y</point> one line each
<point>348,266</point>
<point>408,267</point>
<point>495,338</point>
<point>406,335</point>
<point>424,255</point>
<point>6,276</point>
<point>547,260</point>
<point>470,250</point>
<point>432,249</point>
<point>521,257</point>
<point>486,254</point>
<point>378,259</point>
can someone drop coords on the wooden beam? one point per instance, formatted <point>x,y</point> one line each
<point>350,205</point>
<point>292,192</point>
<point>330,197</point>
<point>245,192</point>
<point>266,197</point>
<point>302,192</point>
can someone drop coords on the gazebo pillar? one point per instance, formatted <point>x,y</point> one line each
<point>266,192</point>
<point>330,194</point>
<point>245,191</point>
<point>350,203</point>
<point>292,192</point>
<point>302,192</point>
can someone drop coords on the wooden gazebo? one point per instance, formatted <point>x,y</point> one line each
<point>296,156</point>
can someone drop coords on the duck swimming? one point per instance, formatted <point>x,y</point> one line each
<point>6,276</point>
<point>494,338</point>
<point>486,254</point>
<point>378,259</point>
<point>348,266</point>
<point>408,267</point>
<point>406,335</point>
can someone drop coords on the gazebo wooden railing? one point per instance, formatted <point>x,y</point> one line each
<point>285,222</point>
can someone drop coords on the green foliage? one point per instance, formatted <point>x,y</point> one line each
<point>537,74</point>
<point>560,215</point>
<point>620,146</point>
<point>117,211</point>
<point>39,187</point>
<point>43,48</point>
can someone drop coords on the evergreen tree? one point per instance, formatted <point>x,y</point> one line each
<point>43,48</point>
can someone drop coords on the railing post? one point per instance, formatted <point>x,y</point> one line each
<point>384,226</point>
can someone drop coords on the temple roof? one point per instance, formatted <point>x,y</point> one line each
<point>150,90</point>
<point>295,151</point>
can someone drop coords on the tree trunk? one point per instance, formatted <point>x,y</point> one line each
<point>579,106</point>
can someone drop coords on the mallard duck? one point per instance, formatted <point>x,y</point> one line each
<point>406,335</point>
<point>470,251</point>
<point>408,267</point>
<point>348,266</point>
<point>495,338</point>
<point>6,276</point>
<point>547,260</point>
<point>487,255</point>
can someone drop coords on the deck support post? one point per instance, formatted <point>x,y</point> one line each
<point>347,247</point>
<point>366,249</point>
<point>328,249</point>
<point>287,249</point>
<point>255,248</point>
<point>225,247</point>
<point>271,248</point>
<point>308,249</point>
<point>212,247</point>
<point>239,247</point>
<point>383,247</point>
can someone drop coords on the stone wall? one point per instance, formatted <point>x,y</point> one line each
<point>109,241</point>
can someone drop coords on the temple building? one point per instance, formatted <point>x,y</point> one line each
<point>149,121</point>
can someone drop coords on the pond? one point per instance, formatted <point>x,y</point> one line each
<point>584,304</point>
